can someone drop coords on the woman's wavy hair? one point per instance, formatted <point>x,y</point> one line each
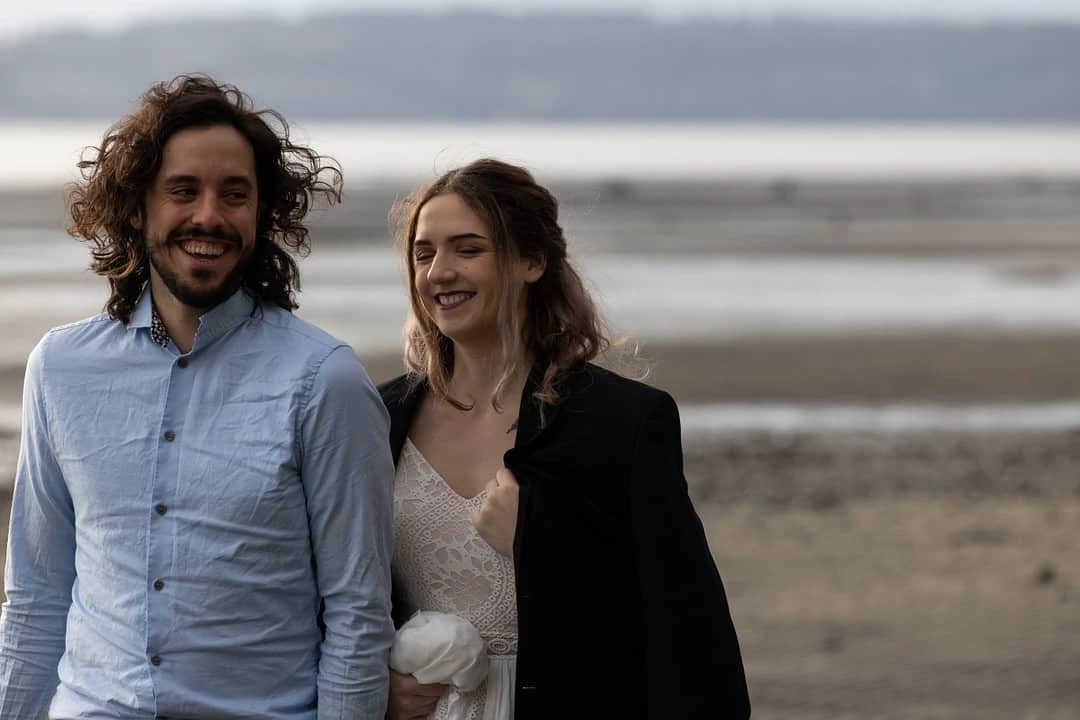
<point>117,176</point>
<point>561,327</point>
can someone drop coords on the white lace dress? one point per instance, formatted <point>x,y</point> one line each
<point>444,565</point>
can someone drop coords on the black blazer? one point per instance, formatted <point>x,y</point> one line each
<point>621,610</point>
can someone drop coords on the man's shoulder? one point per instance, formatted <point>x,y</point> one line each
<point>312,355</point>
<point>300,332</point>
<point>94,323</point>
<point>73,336</point>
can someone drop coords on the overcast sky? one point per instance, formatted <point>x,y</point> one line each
<point>21,17</point>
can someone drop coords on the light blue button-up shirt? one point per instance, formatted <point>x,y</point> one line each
<point>178,519</point>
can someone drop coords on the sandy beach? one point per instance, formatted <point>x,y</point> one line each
<point>911,574</point>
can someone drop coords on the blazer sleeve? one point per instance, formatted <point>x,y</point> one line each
<point>694,667</point>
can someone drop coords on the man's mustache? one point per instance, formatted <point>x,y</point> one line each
<point>197,233</point>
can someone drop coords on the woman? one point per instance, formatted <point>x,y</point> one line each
<point>539,496</point>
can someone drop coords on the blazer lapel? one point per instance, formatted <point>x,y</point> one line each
<point>533,419</point>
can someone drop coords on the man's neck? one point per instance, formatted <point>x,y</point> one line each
<point>180,320</point>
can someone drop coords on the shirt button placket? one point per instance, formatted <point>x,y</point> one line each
<point>160,560</point>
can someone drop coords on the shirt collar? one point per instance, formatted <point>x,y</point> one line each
<point>212,325</point>
<point>144,310</point>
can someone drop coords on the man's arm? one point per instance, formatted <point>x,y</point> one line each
<point>348,476</point>
<point>40,564</point>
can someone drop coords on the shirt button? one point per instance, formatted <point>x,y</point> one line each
<point>160,509</point>
<point>159,584</point>
<point>155,660</point>
<point>170,436</point>
<point>182,362</point>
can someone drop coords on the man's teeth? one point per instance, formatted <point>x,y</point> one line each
<point>196,247</point>
<point>452,298</point>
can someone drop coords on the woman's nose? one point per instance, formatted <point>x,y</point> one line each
<point>441,269</point>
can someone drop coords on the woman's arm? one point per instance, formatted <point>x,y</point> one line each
<point>693,664</point>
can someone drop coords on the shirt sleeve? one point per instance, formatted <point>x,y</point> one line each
<point>40,566</point>
<point>693,663</point>
<point>347,471</point>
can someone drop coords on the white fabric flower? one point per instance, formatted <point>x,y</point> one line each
<point>437,647</point>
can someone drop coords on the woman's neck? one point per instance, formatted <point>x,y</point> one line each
<point>477,375</point>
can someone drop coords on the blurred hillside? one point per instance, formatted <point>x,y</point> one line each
<point>485,66</point>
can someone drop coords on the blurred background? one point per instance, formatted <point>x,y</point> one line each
<point>843,232</point>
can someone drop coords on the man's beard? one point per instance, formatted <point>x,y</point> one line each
<point>190,296</point>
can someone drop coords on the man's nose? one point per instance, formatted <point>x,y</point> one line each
<point>207,212</point>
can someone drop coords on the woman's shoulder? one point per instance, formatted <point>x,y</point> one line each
<point>601,388</point>
<point>400,389</point>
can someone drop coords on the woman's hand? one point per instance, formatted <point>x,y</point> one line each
<point>496,519</point>
<point>412,700</point>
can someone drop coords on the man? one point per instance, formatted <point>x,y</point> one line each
<point>200,470</point>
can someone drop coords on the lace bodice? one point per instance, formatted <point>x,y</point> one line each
<point>441,561</point>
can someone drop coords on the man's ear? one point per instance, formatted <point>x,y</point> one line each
<point>137,221</point>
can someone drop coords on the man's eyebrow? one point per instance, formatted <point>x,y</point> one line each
<point>181,179</point>
<point>452,238</point>
<point>238,180</point>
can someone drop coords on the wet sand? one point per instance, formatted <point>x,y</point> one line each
<point>906,607</point>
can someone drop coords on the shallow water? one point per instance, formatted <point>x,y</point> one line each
<point>720,418</point>
<point>357,293</point>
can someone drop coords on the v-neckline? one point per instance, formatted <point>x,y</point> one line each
<point>437,474</point>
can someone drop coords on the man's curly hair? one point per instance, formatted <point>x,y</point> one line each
<point>117,176</point>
